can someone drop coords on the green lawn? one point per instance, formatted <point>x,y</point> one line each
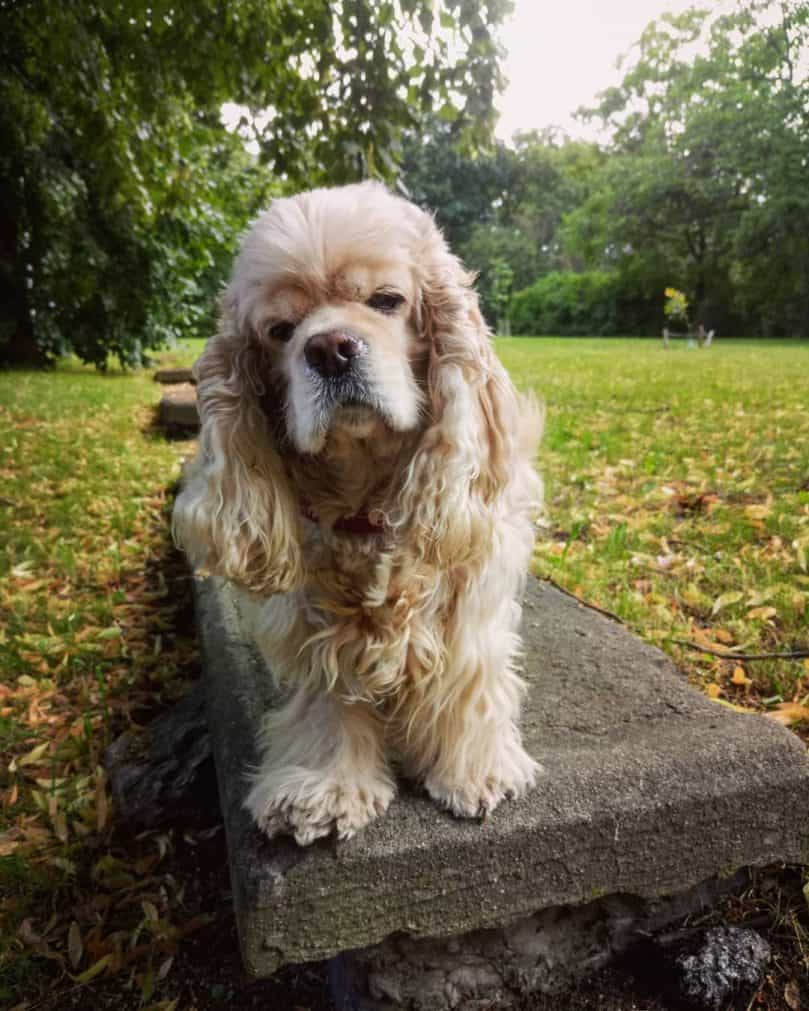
<point>677,497</point>
<point>677,490</point>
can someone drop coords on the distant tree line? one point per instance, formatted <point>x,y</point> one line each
<point>122,194</point>
<point>702,183</point>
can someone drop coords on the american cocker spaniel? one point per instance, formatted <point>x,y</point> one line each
<point>365,475</point>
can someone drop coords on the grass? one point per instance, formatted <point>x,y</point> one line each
<point>677,490</point>
<point>86,645</point>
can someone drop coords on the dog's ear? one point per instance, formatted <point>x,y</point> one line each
<point>481,433</point>
<point>236,515</point>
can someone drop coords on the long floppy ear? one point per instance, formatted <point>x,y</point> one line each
<point>473,464</point>
<point>235,515</point>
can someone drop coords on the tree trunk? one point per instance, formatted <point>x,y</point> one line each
<point>18,344</point>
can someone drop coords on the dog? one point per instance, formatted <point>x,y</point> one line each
<point>365,477</point>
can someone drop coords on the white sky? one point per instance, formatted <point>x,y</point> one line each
<point>562,52</point>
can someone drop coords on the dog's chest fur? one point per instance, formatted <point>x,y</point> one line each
<point>369,611</point>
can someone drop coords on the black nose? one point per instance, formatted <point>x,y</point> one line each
<point>332,354</point>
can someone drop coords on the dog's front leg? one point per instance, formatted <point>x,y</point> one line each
<point>323,768</point>
<point>463,741</point>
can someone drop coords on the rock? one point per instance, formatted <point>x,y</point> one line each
<point>546,952</point>
<point>720,964</point>
<point>165,775</point>
<point>649,789</point>
<point>178,408</point>
<point>174,376</point>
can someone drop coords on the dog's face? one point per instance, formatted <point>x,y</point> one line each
<point>329,283</point>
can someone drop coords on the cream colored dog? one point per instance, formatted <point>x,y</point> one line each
<point>365,475</point>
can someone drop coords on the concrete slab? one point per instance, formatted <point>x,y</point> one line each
<point>649,789</point>
<point>178,407</point>
<point>171,376</point>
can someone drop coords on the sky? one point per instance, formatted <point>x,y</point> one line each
<point>562,52</point>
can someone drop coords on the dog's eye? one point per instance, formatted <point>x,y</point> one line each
<point>282,331</point>
<point>385,301</point>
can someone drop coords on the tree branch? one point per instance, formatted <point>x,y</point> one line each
<point>794,654</point>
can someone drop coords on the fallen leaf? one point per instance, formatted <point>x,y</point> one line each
<point>726,599</point>
<point>34,755</point>
<point>762,613</point>
<point>758,512</point>
<point>701,638</point>
<point>102,807</point>
<point>150,911</point>
<point>59,823</point>
<point>788,713</point>
<point>8,844</point>
<point>739,677</point>
<point>95,969</point>
<point>713,690</point>
<point>110,633</point>
<point>735,708</point>
<point>75,945</point>
<point>792,995</point>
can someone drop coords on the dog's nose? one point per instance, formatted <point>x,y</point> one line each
<point>332,353</point>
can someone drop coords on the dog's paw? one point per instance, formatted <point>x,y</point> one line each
<point>311,805</point>
<point>476,794</point>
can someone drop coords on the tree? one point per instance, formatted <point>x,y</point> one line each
<point>118,182</point>
<point>502,206</point>
<point>705,184</point>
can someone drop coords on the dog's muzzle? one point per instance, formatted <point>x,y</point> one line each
<point>337,366</point>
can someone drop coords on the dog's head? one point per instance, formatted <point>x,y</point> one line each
<point>346,311</point>
<point>327,284</point>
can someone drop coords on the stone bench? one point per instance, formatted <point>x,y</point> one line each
<point>178,410</point>
<point>652,797</point>
<point>173,376</point>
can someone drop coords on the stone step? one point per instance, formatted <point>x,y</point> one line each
<point>649,789</point>
<point>171,376</point>
<point>178,408</point>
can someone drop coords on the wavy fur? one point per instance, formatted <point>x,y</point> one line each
<point>400,644</point>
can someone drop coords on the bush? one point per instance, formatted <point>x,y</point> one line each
<point>595,303</point>
<point>567,304</point>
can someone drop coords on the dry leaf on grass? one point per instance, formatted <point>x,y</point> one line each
<point>792,995</point>
<point>762,613</point>
<point>726,599</point>
<point>75,945</point>
<point>739,677</point>
<point>788,713</point>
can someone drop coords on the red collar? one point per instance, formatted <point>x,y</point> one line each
<point>360,524</point>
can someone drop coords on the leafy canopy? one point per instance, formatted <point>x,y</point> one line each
<point>121,193</point>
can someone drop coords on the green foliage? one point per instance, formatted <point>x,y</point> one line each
<point>568,304</point>
<point>502,283</point>
<point>502,205</point>
<point>675,307</point>
<point>121,191</point>
<point>706,178</point>
<point>702,184</point>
